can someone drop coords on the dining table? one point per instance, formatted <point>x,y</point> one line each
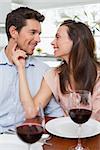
<point>60,143</point>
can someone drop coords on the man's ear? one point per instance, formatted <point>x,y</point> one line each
<point>13,32</point>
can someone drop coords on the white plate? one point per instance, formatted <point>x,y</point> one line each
<point>65,127</point>
<point>12,142</point>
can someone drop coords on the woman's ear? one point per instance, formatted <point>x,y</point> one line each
<point>13,32</point>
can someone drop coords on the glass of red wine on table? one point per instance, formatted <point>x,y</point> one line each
<point>79,107</point>
<point>31,130</point>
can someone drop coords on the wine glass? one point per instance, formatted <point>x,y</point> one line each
<point>31,130</point>
<point>80,110</point>
<point>78,105</point>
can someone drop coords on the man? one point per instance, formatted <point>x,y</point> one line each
<point>23,30</point>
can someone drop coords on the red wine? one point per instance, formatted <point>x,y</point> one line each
<point>29,133</point>
<point>80,115</point>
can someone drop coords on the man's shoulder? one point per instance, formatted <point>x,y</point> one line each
<point>39,63</point>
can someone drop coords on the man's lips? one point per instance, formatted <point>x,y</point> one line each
<point>33,46</point>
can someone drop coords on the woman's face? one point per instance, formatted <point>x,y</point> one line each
<point>62,43</point>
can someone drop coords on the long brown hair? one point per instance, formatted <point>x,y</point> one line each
<point>82,60</point>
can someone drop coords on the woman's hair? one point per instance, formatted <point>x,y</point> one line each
<point>82,60</point>
<point>19,16</point>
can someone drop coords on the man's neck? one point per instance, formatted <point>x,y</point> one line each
<point>8,53</point>
<point>9,49</point>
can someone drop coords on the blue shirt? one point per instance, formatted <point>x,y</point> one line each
<point>9,89</point>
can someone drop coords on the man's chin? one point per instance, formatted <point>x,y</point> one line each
<point>30,52</point>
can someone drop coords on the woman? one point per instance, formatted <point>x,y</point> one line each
<point>74,43</point>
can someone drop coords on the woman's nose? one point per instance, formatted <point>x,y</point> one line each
<point>52,43</point>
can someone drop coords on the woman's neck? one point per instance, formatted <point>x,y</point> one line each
<point>72,82</point>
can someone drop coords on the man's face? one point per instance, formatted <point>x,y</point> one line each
<point>29,36</point>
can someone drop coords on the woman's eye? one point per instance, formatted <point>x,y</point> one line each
<point>33,32</point>
<point>57,37</point>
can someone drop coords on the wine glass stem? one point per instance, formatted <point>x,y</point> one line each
<point>79,145</point>
<point>29,146</point>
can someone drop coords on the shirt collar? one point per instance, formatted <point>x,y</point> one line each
<point>30,61</point>
<point>3,58</point>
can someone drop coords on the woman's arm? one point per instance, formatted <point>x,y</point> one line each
<point>30,103</point>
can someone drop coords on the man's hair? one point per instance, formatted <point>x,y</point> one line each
<point>19,16</point>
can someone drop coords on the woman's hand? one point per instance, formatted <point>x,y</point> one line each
<point>18,58</point>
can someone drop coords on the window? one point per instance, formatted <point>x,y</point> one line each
<point>89,14</point>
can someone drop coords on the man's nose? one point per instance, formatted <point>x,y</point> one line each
<point>37,38</point>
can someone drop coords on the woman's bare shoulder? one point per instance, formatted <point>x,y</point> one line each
<point>53,71</point>
<point>98,74</point>
<point>98,69</point>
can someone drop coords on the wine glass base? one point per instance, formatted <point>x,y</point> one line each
<point>78,148</point>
